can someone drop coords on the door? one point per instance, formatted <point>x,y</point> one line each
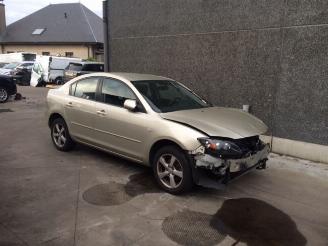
<point>118,129</point>
<point>36,74</point>
<point>80,109</point>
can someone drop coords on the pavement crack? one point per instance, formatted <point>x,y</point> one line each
<point>77,205</point>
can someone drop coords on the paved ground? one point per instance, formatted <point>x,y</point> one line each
<point>90,198</point>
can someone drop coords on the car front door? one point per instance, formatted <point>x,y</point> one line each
<point>118,129</point>
<point>80,109</point>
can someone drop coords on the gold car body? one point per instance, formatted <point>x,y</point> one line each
<point>132,134</point>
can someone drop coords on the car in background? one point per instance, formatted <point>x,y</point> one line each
<point>158,122</point>
<point>11,68</point>
<point>2,64</point>
<point>7,88</point>
<point>75,69</point>
<point>50,69</point>
<point>19,71</point>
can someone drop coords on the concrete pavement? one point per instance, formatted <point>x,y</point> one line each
<point>87,197</point>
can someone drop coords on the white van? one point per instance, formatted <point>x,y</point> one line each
<point>50,69</point>
<point>17,57</point>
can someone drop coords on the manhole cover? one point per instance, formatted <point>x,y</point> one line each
<point>193,228</point>
<point>5,110</point>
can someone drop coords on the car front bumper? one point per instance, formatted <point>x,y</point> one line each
<point>225,170</point>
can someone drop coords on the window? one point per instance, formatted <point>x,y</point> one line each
<point>37,68</point>
<point>69,54</point>
<point>46,53</point>
<point>115,92</point>
<point>75,67</point>
<point>38,31</point>
<point>168,96</point>
<point>85,88</point>
<point>93,67</point>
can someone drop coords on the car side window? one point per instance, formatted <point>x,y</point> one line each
<point>115,92</point>
<point>85,88</point>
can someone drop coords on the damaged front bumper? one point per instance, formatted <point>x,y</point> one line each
<point>226,169</point>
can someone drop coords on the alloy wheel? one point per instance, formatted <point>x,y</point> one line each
<point>59,135</point>
<point>169,171</point>
<point>3,95</point>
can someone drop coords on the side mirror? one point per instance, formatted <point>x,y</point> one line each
<point>130,104</point>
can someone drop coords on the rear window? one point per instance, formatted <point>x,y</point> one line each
<point>93,67</point>
<point>75,67</point>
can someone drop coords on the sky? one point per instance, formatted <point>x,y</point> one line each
<point>17,9</point>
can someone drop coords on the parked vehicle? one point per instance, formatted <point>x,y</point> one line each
<point>17,57</point>
<point>7,88</point>
<point>2,64</point>
<point>11,68</point>
<point>157,122</point>
<point>50,69</point>
<point>76,69</point>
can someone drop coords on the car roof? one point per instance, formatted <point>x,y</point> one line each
<point>138,76</point>
<point>83,63</point>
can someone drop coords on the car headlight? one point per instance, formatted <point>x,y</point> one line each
<point>221,148</point>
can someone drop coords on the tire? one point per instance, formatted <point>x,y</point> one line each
<point>172,170</point>
<point>4,95</point>
<point>60,135</point>
<point>59,81</point>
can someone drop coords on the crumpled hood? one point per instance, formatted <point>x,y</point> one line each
<point>220,122</point>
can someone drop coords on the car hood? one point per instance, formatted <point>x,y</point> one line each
<point>219,122</point>
<point>4,70</point>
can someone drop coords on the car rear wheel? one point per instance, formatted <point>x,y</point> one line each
<point>3,95</point>
<point>172,170</point>
<point>60,135</point>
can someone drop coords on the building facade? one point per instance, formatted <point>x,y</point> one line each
<point>69,30</point>
<point>271,55</point>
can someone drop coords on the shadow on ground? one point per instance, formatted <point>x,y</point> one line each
<point>246,220</point>
<point>113,193</point>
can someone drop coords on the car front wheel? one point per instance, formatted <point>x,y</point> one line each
<point>60,135</point>
<point>172,170</point>
<point>3,95</point>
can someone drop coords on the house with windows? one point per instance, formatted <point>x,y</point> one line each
<point>70,30</point>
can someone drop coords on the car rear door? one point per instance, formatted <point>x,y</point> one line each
<point>118,129</point>
<point>80,108</point>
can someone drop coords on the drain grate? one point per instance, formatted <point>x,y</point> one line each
<point>193,228</point>
<point>5,110</point>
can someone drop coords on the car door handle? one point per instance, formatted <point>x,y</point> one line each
<point>101,112</point>
<point>69,104</point>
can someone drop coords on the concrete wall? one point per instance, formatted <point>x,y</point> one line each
<point>78,50</point>
<point>272,55</point>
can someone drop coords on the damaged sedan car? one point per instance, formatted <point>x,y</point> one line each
<point>158,122</point>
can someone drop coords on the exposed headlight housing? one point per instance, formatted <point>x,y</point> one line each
<point>221,148</point>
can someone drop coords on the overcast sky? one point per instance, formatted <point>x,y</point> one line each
<point>17,9</point>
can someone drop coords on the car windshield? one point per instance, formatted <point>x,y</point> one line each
<point>168,96</point>
<point>11,65</point>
